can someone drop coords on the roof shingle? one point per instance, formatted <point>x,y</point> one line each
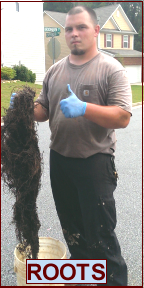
<point>124,52</point>
<point>103,13</point>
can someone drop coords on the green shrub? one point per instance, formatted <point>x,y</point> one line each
<point>7,73</point>
<point>24,74</point>
<point>32,76</point>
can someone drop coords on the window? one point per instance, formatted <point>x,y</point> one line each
<point>117,13</point>
<point>125,41</point>
<point>108,40</point>
<point>17,6</point>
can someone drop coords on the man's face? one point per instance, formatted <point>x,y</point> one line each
<point>80,33</point>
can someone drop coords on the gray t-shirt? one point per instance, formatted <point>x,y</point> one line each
<point>103,81</point>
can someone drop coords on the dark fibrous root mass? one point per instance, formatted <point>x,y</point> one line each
<point>21,168</point>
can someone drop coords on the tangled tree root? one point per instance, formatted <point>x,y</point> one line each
<point>21,167</point>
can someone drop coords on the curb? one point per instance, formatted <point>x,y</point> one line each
<point>137,104</point>
<point>133,105</point>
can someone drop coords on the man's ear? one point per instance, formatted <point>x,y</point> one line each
<point>97,29</point>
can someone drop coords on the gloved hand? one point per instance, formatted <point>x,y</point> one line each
<point>72,106</point>
<point>12,99</point>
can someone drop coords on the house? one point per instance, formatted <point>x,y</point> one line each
<point>22,37</point>
<point>54,20</point>
<point>116,38</point>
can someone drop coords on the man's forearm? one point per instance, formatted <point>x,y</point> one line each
<point>111,117</point>
<point>40,113</point>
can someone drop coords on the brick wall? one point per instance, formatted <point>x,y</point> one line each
<point>132,60</point>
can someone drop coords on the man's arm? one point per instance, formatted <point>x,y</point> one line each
<point>111,117</point>
<point>40,113</point>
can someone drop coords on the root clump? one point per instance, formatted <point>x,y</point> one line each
<point>21,167</point>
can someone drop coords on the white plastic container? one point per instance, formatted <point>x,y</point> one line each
<point>49,248</point>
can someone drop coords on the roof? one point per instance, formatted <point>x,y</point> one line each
<point>103,15</point>
<point>57,16</point>
<point>123,52</point>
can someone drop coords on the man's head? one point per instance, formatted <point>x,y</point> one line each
<point>80,9</point>
<point>81,30</point>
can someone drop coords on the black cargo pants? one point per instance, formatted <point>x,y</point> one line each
<point>83,194</point>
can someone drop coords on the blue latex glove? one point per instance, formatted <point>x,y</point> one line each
<point>72,106</point>
<point>12,99</point>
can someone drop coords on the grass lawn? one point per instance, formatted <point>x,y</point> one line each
<point>8,88</point>
<point>136,93</point>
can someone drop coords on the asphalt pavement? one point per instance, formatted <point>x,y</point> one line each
<point>128,196</point>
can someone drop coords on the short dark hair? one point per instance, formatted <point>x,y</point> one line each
<point>79,9</point>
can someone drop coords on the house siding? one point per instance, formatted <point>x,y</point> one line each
<point>117,39</point>
<point>109,25</point>
<point>121,21</point>
<point>133,64</point>
<point>49,22</point>
<point>101,40</point>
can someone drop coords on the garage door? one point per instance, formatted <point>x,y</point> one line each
<point>134,73</point>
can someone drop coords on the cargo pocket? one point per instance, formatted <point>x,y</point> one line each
<point>111,169</point>
<point>107,213</point>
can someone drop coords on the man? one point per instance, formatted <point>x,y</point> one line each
<point>86,96</point>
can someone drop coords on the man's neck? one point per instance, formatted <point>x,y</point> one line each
<point>82,59</point>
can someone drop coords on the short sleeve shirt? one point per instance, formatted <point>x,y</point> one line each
<point>101,81</point>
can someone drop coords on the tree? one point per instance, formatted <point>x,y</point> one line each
<point>57,6</point>
<point>138,40</point>
<point>134,12</point>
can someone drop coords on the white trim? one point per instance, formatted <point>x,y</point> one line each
<point>113,20</point>
<point>126,18</point>
<point>105,52</point>
<point>117,32</point>
<point>124,15</point>
<point>125,41</point>
<point>110,16</point>
<point>108,41</point>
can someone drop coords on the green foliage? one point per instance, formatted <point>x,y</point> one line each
<point>24,74</point>
<point>138,40</point>
<point>8,88</point>
<point>7,73</point>
<point>136,93</point>
<point>64,6</point>
<point>57,6</point>
<point>134,12</point>
<point>31,76</point>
